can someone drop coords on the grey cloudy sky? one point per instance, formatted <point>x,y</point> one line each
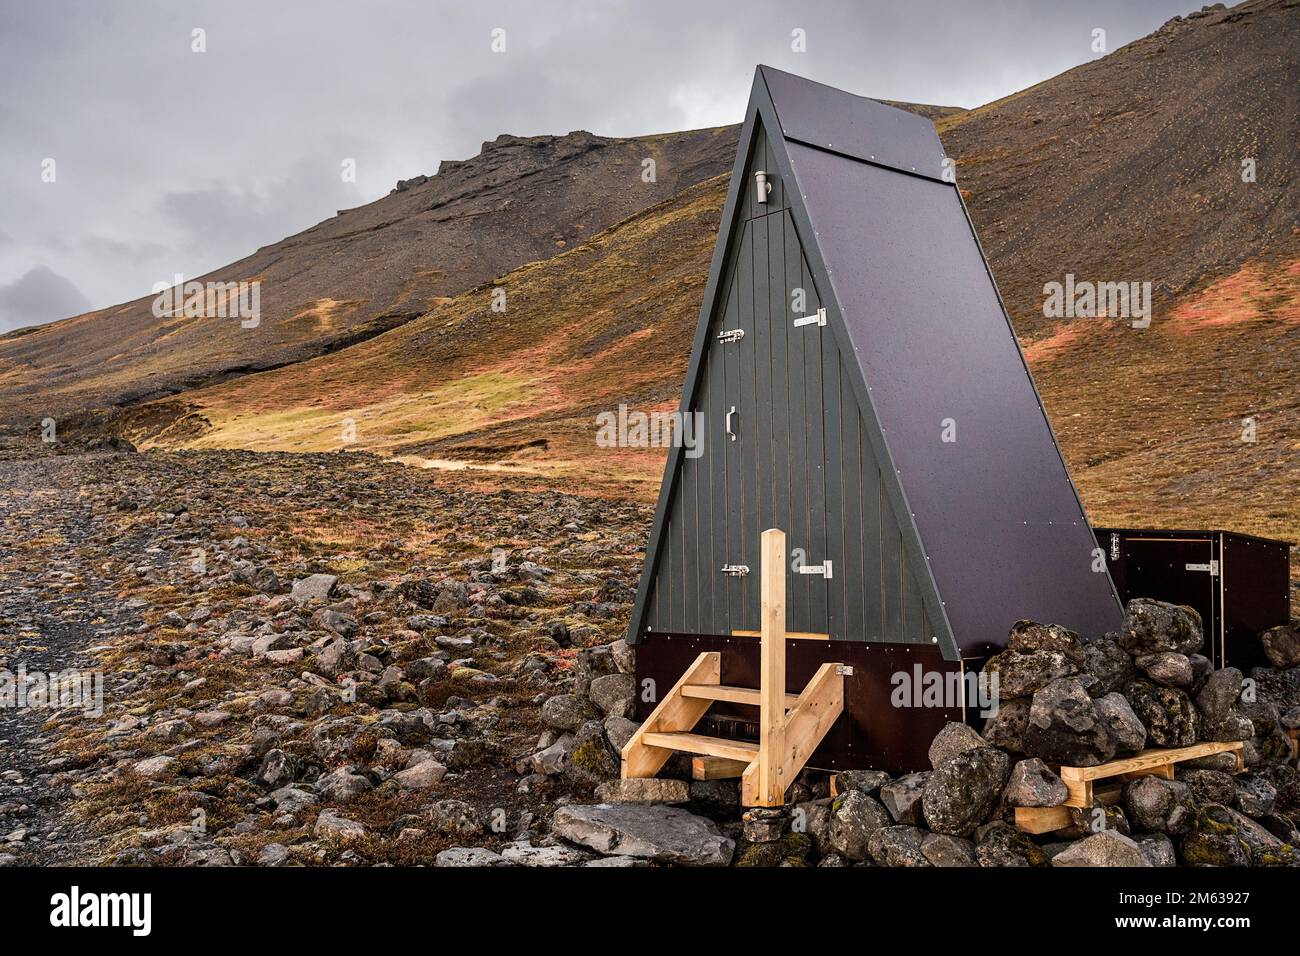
<point>170,161</point>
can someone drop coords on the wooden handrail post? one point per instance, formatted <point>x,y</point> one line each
<point>771,740</point>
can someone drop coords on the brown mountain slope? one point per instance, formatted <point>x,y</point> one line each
<point>1150,419</point>
<point>1129,167</point>
<point>364,270</point>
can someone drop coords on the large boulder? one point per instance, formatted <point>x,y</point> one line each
<point>1126,729</point>
<point>1157,805</point>
<point>903,797</point>
<point>955,738</point>
<point>962,792</point>
<point>314,587</point>
<point>1166,712</point>
<point>653,832</point>
<point>898,846</point>
<point>1065,726</point>
<point>1000,844</point>
<point>1167,668</point>
<point>1216,697</point>
<point>1032,784</point>
<point>1105,660</point>
<point>1029,637</point>
<point>1282,645</point>
<point>1214,840</point>
<point>943,849</point>
<point>1151,626</point>
<point>1020,674</point>
<point>854,817</point>
<point>1107,848</point>
<point>1006,727</point>
<point>614,694</point>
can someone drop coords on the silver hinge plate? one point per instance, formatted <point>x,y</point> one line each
<point>844,670</point>
<point>731,335</point>
<point>1212,567</point>
<point>735,570</point>
<point>823,569</point>
<point>818,319</point>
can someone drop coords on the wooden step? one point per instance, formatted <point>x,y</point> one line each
<point>734,695</point>
<point>700,744</point>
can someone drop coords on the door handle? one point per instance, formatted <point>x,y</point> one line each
<point>731,434</point>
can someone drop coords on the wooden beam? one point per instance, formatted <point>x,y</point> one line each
<point>817,709</point>
<point>673,714</point>
<point>717,768</point>
<point>733,695</point>
<point>700,744</point>
<point>1157,761</point>
<point>792,635</point>
<point>768,787</point>
<point>1042,819</point>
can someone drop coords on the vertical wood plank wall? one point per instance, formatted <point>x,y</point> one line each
<point>803,461</point>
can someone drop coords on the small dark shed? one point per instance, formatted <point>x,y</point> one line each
<point>1239,583</point>
<point>860,388</point>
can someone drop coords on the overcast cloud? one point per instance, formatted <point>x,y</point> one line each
<point>170,161</point>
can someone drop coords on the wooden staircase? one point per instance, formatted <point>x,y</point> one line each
<point>790,725</point>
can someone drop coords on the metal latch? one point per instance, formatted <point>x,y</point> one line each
<point>735,570</point>
<point>818,319</point>
<point>823,569</point>
<point>731,335</point>
<point>1212,567</point>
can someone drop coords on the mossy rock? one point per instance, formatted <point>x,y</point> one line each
<point>792,849</point>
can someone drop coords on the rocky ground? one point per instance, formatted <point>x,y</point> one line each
<point>330,659</point>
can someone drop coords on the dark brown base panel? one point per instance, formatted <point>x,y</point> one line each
<point>873,733</point>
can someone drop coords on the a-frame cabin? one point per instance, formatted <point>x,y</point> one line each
<point>859,388</point>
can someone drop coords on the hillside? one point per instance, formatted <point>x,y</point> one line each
<point>361,272</point>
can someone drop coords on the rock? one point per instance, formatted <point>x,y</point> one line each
<point>1105,660</point>
<point>961,793</point>
<point>422,776</point>
<point>273,854</point>
<point>897,846</point>
<point>342,785</point>
<point>1282,645</point>
<point>1107,848</point>
<point>764,824</point>
<point>1030,636</point>
<point>1126,729</point>
<point>344,625</point>
<point>314,587</point>
<point>716,798</point>
<point>1158,805</point>
<point>903,798</point>
<point>1006,728</point>
<point>624,656</point>
<point>854,817</point>
<point>1208,786</point>
<point>614,694</point>
<point>277,770</point>
<point>1166,712</point>
<point>290,800</point>
<point>1166,668</point>
<point>563,712</point>
<point>941,849</point>
<point>523,853</point>
<point>466,856</point>
<point>1032,784</point>
<point>866,781</point>
<point>953,739</point>
<point>1000,844</point>
<point>1157,848</point>
<point>334,658</point>
<point>1020,675</point>
<point>644,790</point>
<point>155,768</point>
<point>660,833</point>
<point>1218,694</point>
<point>814,818</point>
<point>1214,839</point>
<point>555,758</point>
<point>1254,795</point>
<point>618,731</point>
<point>1065,726</point>
<point>1151,626</point>
<point>330,824</point>
<point>455,818</point>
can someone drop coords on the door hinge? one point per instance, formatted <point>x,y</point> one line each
<point>818,319</point>
<point>823,569</point>
<point>1212,567</point>
<point>731,335</point>
<point>735,570</point>
<point>844,670</point>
